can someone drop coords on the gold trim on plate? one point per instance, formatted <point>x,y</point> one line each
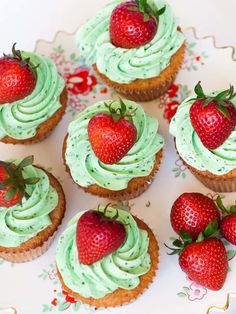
<point>213,38</point>
<point>192,28</point>
<point>225,307</point>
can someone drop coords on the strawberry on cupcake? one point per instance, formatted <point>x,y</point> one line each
<point>32,97</point>
<point>135,46</point>
<point>112,149</point>
<point>106,257</point>
<point>32,205</point>
<point>204,128</point>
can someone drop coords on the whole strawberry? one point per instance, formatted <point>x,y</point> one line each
<point>228,228</point>
<point>205,263</point>
<point>97,236</point>
<point>228,222</point>
<point>213,117</point>
<point>12,182</point>
<point>133,24</point>
<point>111,135</point>
<point>17,79</point>
<point>192,212</point>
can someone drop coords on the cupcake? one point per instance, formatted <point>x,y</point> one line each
<point>136,47</point>
<point>106,257</point>
<point>32,205</point>
<point>204,128</point>
<point>32,97</point>
<point>113,150</point>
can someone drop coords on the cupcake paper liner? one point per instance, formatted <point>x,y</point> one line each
<point>29,255</point>
<point>121,296</point>
<point>223,185</point>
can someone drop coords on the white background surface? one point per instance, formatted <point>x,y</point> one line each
<point>25,21</point>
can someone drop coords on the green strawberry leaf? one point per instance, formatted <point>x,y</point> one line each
<point>10,193</point>
<point>161,11</point>
<point>31,180</point>
<point>142,5</point>
<point>220,204</point>
<point>199,91</point>
<point>186,237</point>
<point>206,102</point>
<point>211,229</point>
<point>222,95</point>
<point>145,17</point>
<point>178,243</point>
<point>5,183</point>
<point>224,110</point>
<point>200,237</point>
<point>232,209</point>
<point>26,162</point>
<point>174,251</point>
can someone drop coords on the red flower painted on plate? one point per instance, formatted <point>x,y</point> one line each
<point>69,298</point>
<point>54,302</point>
<point>170,110</point>
<point>173,90</point>
<point>104,90</point>
<point>80,82</point>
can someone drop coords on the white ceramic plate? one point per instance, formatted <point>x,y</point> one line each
<point>34,287</point>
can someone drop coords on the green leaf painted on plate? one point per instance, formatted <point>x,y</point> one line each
<point>181,294</point>
<point>64,306</point>
<point>76,306</point>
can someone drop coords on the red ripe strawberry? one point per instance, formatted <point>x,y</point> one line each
<point>228,223</point>
<point>133,24</point>
<point>17,79</point>
<point>228,228</point>
<point>192,212</point>
<point>12,182</point>
<point>97,236</point>
<point>205,263</point>
<point>213,117</point>
<point>111,136</point>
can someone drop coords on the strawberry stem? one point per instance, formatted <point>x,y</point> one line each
<point>17,54</point>
<point>211,230</point>
<point>120,112</point>
<point>147,10</point>
<point>15,180</point>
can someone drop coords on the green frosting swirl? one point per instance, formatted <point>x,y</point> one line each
<point>120,269</point>
<point>189,146</point>
<point>86,169</point>
<point>126,65</point>
<point>21,118</point>
<point>20,223</point>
